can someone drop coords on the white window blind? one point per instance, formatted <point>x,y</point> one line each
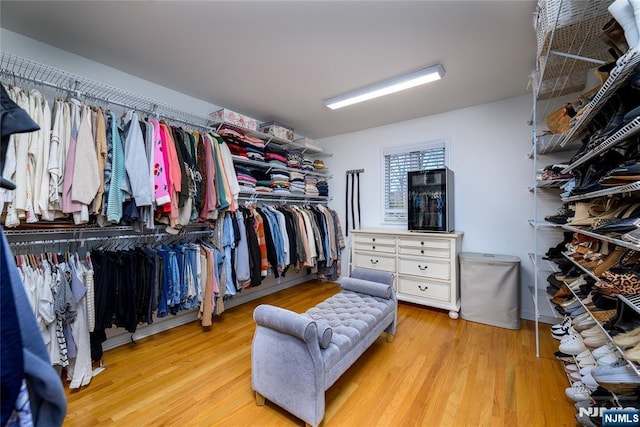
<point>396,165</point>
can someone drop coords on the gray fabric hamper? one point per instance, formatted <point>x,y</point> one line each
<point>490,289</point>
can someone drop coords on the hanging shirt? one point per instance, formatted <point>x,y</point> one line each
<point>86,179</point>
<point>135,160</point>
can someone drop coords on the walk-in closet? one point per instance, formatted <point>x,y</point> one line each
<point>327,213</point>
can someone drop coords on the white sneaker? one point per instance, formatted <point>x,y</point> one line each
<point>603,350</point>
<point>578,392</point>
<point>566,322</point>
<point>584,355</point>
<point>587,362</point>
<point>573,345</point>
<point>569,337</point>
<point>589,382</point>
<point>607,359</point>
<point>586,370</point>
<point>575,376</point>
<point>559,334</point>
<point>571,368</point>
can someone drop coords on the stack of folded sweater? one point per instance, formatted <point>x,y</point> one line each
<point>246,180</point>
<point>275,156</point>
<point>263,181</point>
<point>280,182</point>
<point>310,188</point>
<point>323,188</point>
<point>254,147</point>
<point>296,180</point>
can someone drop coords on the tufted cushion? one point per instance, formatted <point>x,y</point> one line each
<point>350,315</point>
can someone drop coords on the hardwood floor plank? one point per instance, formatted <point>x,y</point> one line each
<point>436,372</point>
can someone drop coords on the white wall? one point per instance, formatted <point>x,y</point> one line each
<point>28,48</point>
<point>488,153</point>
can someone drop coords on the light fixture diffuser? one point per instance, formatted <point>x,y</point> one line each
<point>387,87</point>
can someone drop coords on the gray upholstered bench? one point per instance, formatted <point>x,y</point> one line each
<point>295,358</point>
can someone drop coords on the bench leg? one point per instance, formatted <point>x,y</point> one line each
<point>389,337</point>
<point>259,399</point>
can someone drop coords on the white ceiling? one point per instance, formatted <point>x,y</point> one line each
<point>279,60</point>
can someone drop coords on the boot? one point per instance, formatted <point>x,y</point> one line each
<point>613,36</point>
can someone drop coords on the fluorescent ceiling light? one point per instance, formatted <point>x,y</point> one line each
<point>397,84</point>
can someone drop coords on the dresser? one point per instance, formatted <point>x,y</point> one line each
<point>425,265</point>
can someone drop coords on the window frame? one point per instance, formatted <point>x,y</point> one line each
<point>405,149</point>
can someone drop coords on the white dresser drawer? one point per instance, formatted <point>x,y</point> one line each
<point>375,261</point>
<point>423,288</point>
<point>427,246</point>
<point>433,268</point>
<point>375,247</point>
<point>430,252</point>
<point>374,243</point>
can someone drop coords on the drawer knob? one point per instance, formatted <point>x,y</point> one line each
<point>423,288</point>
<point>422,268</point>
<point>373,247</point>
<point>374,262</point>
<point>422,243</point>
<point>422,251</point>
<point>373,239</point>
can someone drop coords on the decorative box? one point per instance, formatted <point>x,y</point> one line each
<point>278,130</point>
<point>233,118</point>
<point>309,145</point>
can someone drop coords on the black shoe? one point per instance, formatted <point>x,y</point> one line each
<point>564,357</point>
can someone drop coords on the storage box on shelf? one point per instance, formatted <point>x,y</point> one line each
<point>235,119</point>
<point>278,130</point>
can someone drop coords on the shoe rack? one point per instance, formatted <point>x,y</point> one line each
<point>572,40</point>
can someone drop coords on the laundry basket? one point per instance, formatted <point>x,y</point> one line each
<point>490,289</point>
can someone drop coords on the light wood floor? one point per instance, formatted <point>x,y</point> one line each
<point>437,372</point>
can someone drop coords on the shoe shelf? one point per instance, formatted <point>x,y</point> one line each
<point>550,183</point>
<point>547,144</point>
<point>543,224</point>
<point>603,237</point>
<point>617,77</point>
<point>609,337</point>
<point>632,301</point>
<point>543,301</point>
<point>627,131</point>
<point>264,165</point>
<point>620,189</point>
<point>544,265</point>
<point>567,255</point>
<point>270,139</point>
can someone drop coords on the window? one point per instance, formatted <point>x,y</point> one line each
<point>397,162</point>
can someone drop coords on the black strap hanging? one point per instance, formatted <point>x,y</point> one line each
<point>349,201</point>
<point>358,187</point>
<point>346,206</point>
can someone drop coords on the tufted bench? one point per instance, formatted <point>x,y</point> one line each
<point>295,358</point>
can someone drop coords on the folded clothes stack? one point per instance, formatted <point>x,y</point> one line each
<point>246,180</point>
<point>323,188</point>
<point>311,188</point>
<point>296,180</point>
<point>280,182</point>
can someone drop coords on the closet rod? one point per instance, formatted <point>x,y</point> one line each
<point>283,200</point>
<point>17,67</point>
<point>156,237</point>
